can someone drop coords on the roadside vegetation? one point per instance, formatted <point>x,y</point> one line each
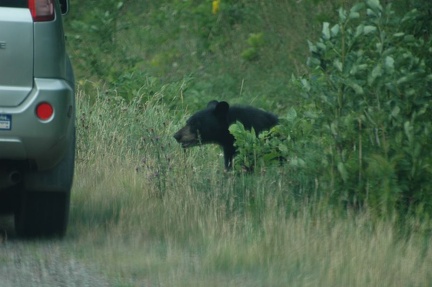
<point>349,207</point>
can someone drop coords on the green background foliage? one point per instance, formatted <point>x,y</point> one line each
<point>246,52</point>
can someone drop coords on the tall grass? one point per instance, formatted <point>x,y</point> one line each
<point>151,214</point>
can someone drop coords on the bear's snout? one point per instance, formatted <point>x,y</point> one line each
<point>186,137</point>
<point>178,136</point>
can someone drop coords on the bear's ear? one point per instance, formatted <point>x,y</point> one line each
<point>212,104</point>
<point>222,108</point>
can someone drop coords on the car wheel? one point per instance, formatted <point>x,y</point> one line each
<point>43,208</point>
<point>42,214</point>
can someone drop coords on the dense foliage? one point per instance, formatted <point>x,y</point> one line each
<point>362,132</point>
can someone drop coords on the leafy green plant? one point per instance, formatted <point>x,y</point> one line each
<point>291,149</point>
<point>369,91</point>
<point>371,84</point>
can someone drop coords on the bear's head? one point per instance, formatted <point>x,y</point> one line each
<point>206,126</point>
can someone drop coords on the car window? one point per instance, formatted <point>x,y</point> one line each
<point>13,3</point>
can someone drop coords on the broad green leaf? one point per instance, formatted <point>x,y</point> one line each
<point>371,13</point>
<point>326,31</point>
<point>306,84</point>
<point>354,15</point>
<point>312,47</point>
<point>321,46</point>
<point>410,92</point>
<point>389,63</point>
<point>376,72</point>
<point>236,128</point>
<point>335,30</point>
<point>338,65</point>
<point>313,62</point>
<point>283,148</point>
<point>395,112</point>
<point>342,14</point>
<point>291,115</point>
<point>359,30</point>
<point>362,67</point>
<point>357,88</point>
<point>369,29</point>
<point>374,5</point>
<point>402,80</point>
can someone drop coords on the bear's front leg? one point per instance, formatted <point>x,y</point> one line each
<point>229,152</point>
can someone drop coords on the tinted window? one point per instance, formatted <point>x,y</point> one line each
<point>64,5</point>
<point>13,3</point>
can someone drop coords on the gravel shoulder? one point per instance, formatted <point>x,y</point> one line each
<point>41,263</point>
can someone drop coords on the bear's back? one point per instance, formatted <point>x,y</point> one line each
<point>252,117</point>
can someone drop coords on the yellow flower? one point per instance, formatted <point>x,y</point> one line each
<point>215,6</point>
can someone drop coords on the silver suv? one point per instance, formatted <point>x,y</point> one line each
<point>37,116</point>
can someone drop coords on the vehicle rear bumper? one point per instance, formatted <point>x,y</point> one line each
<point>29,138</point>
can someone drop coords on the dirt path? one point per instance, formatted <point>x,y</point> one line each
<point>41,263</point>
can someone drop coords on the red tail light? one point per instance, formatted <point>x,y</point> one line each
<point>41,10</point>
<point>44,111</point>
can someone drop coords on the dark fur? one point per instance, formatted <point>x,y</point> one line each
<point>211,126</point>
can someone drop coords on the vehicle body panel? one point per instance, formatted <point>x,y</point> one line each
<point>16,55</point>
<point>34,68</point>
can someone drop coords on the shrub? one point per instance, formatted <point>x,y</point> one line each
<point>369,89</point>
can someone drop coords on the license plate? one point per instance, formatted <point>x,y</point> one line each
<point>5,122</point>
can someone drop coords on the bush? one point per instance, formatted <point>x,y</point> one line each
<point>369,91</point>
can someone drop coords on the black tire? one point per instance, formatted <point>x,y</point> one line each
<point>43,208</point>
<point>42,214</point>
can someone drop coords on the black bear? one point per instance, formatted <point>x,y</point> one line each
<point>211,126</point>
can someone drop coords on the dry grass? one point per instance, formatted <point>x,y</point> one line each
<point>45,263</point>
<point>151,215</point>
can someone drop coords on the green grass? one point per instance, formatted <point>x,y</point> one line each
<point>150,214</point>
